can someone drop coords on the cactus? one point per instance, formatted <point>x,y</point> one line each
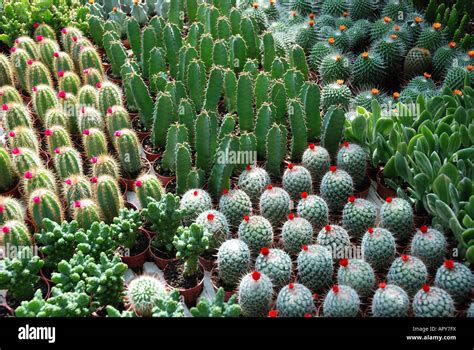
<point>378,247</point>
<point>295,300</point>
<point>14,234</point>
<point>62,62</point>
<point>193,203</point>
<point>90,118</point>
<point>183,165</point>
<point>11,209</point>
<point>279,100</point>
<point>15,115</point>
<point>276,140</point>
<point>432,302</point>
<point>341,301</point>
<point>142,99</point>
<point>105,165</point>
<point>353,159</point>
<point>38,178</point>
<point>146,186</point>
<point>190,242</point>
<point>245,102</point>
<point>334,66</point>
<point>335,238</point>
<point>44,204</point>
<point>110,95</point>
<point>37,74</point>
<point>8,94</point>
<point>128,149</point>
<point>456,279</point>
<point>314,209</point>
<point>47,48</point>
<point>358,215</point>
<point>431,38</point>
<point>76,188</point>
<point>108,195</point>
<point>234,204</point>
<point>256,232</point>
<point>443,59</point>
<point>319,51</point>
<point>276,264</point>
<point>57,137</point>
<point>56,117</point>
<point>89,58</point>
<point>275,204</point>
<point>19,59</point>
<point>357,274</point>
<point>164,115</point>
<point>177,134</point>
<point>86,212</point>
<point>67,162</point>
<point>217,307</point>
<point>335,94</point>
<point>390,301</point>
<point>456,77</point>
<point>92,77</point>
<point>317,160</point>
<point>408,272</point>
<point>368,69</point>
<point>44,99</point>
<point>315,267</point>
<point>233,261</point>
<point>417,61</point>
<point>20,274</point>
<point>25,159</point>
<point>6,71</point>
<point>429,245</point>
<point>69,82</point>
<point>216,224</point>
<point>253,181</point>
<point>7,170</point>
<point>336,187</point>
<point>94,142</point>
<point>296,233</point>
<point>255,294</point>
<point>396,215</point>
<point>297,179</point>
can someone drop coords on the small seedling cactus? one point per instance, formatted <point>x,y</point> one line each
<point>390,301</point>
<point>76,188</point>
<point>14,234</point>
<point>194,202</point>
<point>86,212</point>
<point>336,187</point>
<point>217,307</point>
<point>341,301</point>
<point>108,195</point>
<point>314,209</point>
<point>429,245</point>
<point>276,264</point>
<point>216,224</point>
<point>358,215</point>
<point>432,302</point>
<point>190,242</point>
<point>255,294</point>
<point>105,165</point>
<point>408,272</point>
<point>378,247</point>
<point>142,293</point>
<point>233,261</point>
<point>275,204</point>
<point>456,279</point>
<point>234,204</point>
<point>45,204</point>
<point>67,162</point>
<point>396,215</point>
<point>295,233</point>
<point>295,300</point>
<point>128,149</point>
<point>297,179</point>
<point>357,274</point>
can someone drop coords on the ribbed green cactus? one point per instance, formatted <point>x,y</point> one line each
<point>44,98</point>
<point>89,118</point>
<point>276,142</point>
<point>19,59</point>
<point>57,137</point>
<point>89,58</point>
<point>233,261</point>
<point>183,165</point>
<point>108,195</point>
<point>23,137</point>
<point>147,186</point>
<point>128,148</point>
<point>245,102</point>
<point>407,272</point>
<point>92,76</point>
<point>38,178</point>
<point>164,115</point>
<point>177,134</point>
<point>11,209</point>
<point>86,212</point>
<point>105,165</point>
<point>6,71</point>
<point>15,234</point>
<point>29,45</point>
<point>429,245</point>
<point>69,36</point>
<point>255,294</point>
<point>110,95</point>
<point>173,42</point>
<point>334,66</point>
<point>275,204</point>
<point>94,142</point>
<point>76,188</point>
<point>69,82</point>
<point>417,61</point>
<point>8,94</point>
<point>37,74</point>
<point>117,118</point>
<point>67,162</point>
<point>62,62</point>
<point>15,115</point>
<point>7,170</point>
<point>25,159</point>
<point>142,99</point>
<point>45,204</point>
<point>87,96</point>
<point>47,48</point>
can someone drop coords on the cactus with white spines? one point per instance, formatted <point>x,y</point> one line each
<point>432,302</point>
<point>256,231</point>
<point>62,61</point>
<point>11,209</point>
<point>194,202</point>
<point>357,274</point>
<point>408,272</point>
<point>146,186</point>
<point>110,95</point>
<point>43,99</point>
<point>234,204</point>
<point>128,148</point>
<point>297,179</point>
<point>335,238</point>
<point>23,137</point>
<point>341,301</point>
<point>143,292</point>
<point>276,264</point>
<point>16,114</point>
<point>353,159</point>
<point>38,178</point>
<point>94,142</point>
<point>57,117</point>
<point>105,165</point>
<point>317,160</point>
<point>117,118</point>
<point>14,234</point>
<point>69,82</point>
<point>390,301</point>
<point>314,209</point>
<point>43,204</point>
<point>456,279</point>
<point>315,267</point>
<point>9,94</point>
<point>67,162</point>
<point>378,247</point>
<point>216,224</point>
<point>358,215</point>
<point>336,187</point>
<point>295,300</point>
<point>253,181</point>
<point>8,171</point>
<point>89,118</point>
<point>255,294</point>
<point>429,245</point>
<point>57,137</point>
<point>233,261</point>
<point>86,212</point>
<point>108,195</point>
<point>295,233</point>
<point>37,74</point>
<point>25,159</point>
<point>396,215</point>
<point>275,204</point>
<point>76,188</point>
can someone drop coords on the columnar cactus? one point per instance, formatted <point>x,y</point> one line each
<point>234,204</point>
<point>233,261</point>
<point>390,301</point>
<point>146,186</point>
<point>396,215</point>
<point>6,71</point>
<point>56,116</point>
<point>336,187</point>
<point>37,74</point>
<point>57,137</point>
<point>14,234</point>
<point>253,181</point>
<point>94,142</point>
<point>67,162</point>
<point>429,245</point>
<point>358,215</point>
<point>23,137</point>
<point>19,59</point>
<point>89,58</point>
<point>89,118</point>
<point>317,160</point>
<point>62,62</point>
<point>216,224</point>
<point>378,247</point>
<point>38,178</point>
<point>142,294</point>
<point>128,149</point>
<point>408,272</point>
<point>256,231</point>
<point>275,204</point>
<point>357,274</point>
<point>341,301</point>
<point>76,188</point>
<point>69,82</point>
<point>117,118</point>
<point>86,212</point>
<point>11,209</point>
<point>456,279</point>
<point>194,202</point>
<point>15,114</point>
<point>105,165</point>
<point>108,195</point>
<point>44,98</point>
<point>295,300</point>
<point>110,95</point>
<point>255,294</point>
<point>45,204</point>
<point>314,209</point>
<point>9,177</point>
<point>47,47</point>
<point>25,159</point>
<point>432,302</point>
<point>315,267</point>
<point>8,94</point>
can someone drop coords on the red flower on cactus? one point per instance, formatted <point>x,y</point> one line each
<point>138,183</point>
<point>62,94</point>
<point>94,179</point>
<point>5,107</point>
<point>304,195</point>
<point>61,74</point>
<point>426,288</point>
<point>77,204</point>
<point>56,54</point>
<point>333,168</point>
<point>36,199</point>
<point>6,229</point>
<point>269,187</point>
<point>16,151</point>
<point>94,159</point>
<point>256,275</point>
<point>327,228</point>
<point>344,262</point>
<point>335,289</point>
<point>28,175</point>
<point>449,264</point>
<point>265,251</point>
<point>68,182</point>
<point>29,62</point>
<point>210,216</point>
<point>118,133</point>
<point>39,38</point>
<point>11,134</point>
<point>57,150</point>
<point>382,285</point>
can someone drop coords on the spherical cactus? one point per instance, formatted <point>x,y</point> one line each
<point>25,159</point>
<point>105,165</point>
<point>422,83</point>
<point>117,118</point>
<point>378,247</point>
<point>335,94</point>
<point>44,204</point>
<point>334,66</point>
<point>256,231</point>
<point>381,27</point>
<point>69,37</point>
<point>335,238</point>
<point>76,188</point>
<point>314,209</point>
<point>128,149</point>
<point>365,98</point>
<point>317,160</point>
<point>297,179</point>
<point>108,195</point>
<point>8,94</point>
<point>255,294</point>
<point>358,215</point>
<point>295,300</point>
<point>295,233</point>
<point>429,245</point>
<point>320,50</point>
<point>44,98</point>
<point>89,118</point>
<point>67,162</point>
<point>23,137</point>
<point>57,137</point>
<point>147,186</point>
<point>391,50</point>
<point>86,212</point>
<point>110,95</point>
<point>315,267</point>
<point>396,215</point>
<point>353,159</point>
<point>456,77</point>
<point>37,74</point>
<point>57,117</point>
<point>14,234</point>
<point>194,202</point>
<point>275,204</point>
<point>432,302</point>
<point>336,187</point>
<point>69,82</point>
<point>276,264</point>
<point>357,274</point>
<point>143,292</point>
<point>408,272</point>
<point>234,204</point>
<point>11,209</point>
<point>390,301</point>
<point>456,279</point>
<point>253,181</point>
<point>9,175</point>
<point>38,178</point>
<point>16,114</point>
<point>216,224</point>
<point>341,301</point>
<point>368,69</point>
<point>94,142</point>
<point>443,59</point>
<point>431,38</point>
<point>233,261</point>
<point>417,61</point>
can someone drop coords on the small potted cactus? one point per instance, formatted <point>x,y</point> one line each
<point>186,273</point>
<point>9,182</point>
